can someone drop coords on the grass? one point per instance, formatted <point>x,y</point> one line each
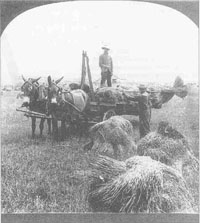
<point>41,177</point>
<point>38,175</point>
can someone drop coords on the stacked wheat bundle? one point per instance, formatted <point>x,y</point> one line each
<point>109,95</point>
<point>113,137</point>
<point>168,146</point>
<point>151,182</point>
<point>179,88</point>
<point>114,95</point>
<point>158,94</point>
<point>139,184</point>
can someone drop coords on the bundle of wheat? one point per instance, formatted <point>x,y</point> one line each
<point>158,94</point>
<point>178,82</point>
<point>168,146</point>
<point>167,130</point>
<point>180,89</point>
<point>139,184</point>
<point>109,95</point>
<point>113,137</point>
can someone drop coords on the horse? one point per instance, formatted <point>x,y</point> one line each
<point>66,106</point>
<point>35,98</point>
<point>53,91</point>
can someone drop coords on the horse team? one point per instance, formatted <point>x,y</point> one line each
<point>50,100</point>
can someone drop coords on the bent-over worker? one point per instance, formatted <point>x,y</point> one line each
<point>144,105</point>
<point>106,65</point>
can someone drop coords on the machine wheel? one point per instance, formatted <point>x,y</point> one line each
<point>108,114</point>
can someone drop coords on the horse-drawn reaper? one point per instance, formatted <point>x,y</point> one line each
<point>81,106</point>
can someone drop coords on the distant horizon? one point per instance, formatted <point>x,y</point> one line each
<point>78,80</point>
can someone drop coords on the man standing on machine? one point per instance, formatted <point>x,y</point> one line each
<point>106,65</point>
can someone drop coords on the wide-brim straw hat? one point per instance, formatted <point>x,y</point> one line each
<point>152,90</point>
<point>105,48</point>
<point>142,86</point>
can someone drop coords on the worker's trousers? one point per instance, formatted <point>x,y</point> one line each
<point>106,76</point>
<point>144,119</point>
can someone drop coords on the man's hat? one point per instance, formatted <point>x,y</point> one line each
<point>105,47</point>
<point>142,87</point>
<point>152,90</point>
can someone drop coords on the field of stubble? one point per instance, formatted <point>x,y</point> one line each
<point>38,175</point>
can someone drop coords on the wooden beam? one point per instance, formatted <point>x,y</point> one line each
<point>83,72</point>
<point>90,78</point>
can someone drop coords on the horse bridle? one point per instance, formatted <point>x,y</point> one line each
<point>59,88</point>
<point>32,84</point>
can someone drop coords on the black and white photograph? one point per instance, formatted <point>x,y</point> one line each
<point>100,108</point>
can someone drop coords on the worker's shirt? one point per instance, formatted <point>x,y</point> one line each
<point>105,62</point>
<point>143,101</point>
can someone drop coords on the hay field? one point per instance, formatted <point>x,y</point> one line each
<point>38,175</point>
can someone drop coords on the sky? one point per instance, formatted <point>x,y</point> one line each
<point>148,42</point>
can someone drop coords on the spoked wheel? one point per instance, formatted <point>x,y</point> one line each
<point>108,114</point>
